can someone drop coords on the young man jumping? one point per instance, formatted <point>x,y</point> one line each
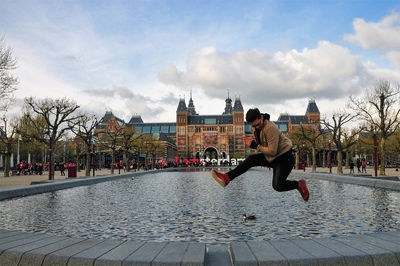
<point>274,150</point>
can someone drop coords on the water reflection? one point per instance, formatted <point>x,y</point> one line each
<point>191,206</point>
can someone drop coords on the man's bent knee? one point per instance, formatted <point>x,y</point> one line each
<point>279,187</point>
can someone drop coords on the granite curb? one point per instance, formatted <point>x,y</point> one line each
<point>19,248</point>
<point>363,181</point>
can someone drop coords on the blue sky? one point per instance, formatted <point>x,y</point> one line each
<point>139,57</point>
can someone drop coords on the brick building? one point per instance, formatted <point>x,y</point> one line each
<point>209,136</point>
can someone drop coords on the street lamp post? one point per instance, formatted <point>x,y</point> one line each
<point>18,158</point>
<point>304,160</point>
<point>375,157</point>
<point>65,148</point>
<point>94,159</point>
<point>330,157</point>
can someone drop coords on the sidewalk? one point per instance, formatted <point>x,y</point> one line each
<point>346,171</point>
<point>25,180</point>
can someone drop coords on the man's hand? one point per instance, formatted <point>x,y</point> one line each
<point>247,140</point>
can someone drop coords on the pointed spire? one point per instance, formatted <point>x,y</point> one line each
<point>238,104</point>
<point>191,109</point>
<point>312,107</point>
<point>182,105</point>
<point>228,106</point>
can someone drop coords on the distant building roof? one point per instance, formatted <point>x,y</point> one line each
<point>228,106</point>
<point>238,105</point>
<point>312,107</point>
<point>135,119</point>
<point>107,117</point>
<point>210,119</point>
<point>294,119</point>
<point>182,106</point>
<point>191,109</point>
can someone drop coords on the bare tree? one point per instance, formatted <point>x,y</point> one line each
<point>112,140</point>
<point>338,134</point>
<point>150,146</point>
<point>59,117</point>
<point>379,110</point>
<point>128,143</point>
<point>84,128</point>
<point>8,82</point>
<point>7,139</point>
<point>310,135</point>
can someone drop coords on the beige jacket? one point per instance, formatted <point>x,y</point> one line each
<point>273,142</point>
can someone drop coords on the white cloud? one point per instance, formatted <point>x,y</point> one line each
<point>383,35</point>
<point>327,71</point>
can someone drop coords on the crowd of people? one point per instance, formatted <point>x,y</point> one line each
<point>359,164</point>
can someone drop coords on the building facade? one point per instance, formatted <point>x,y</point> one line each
<point>210,136</point>
<point>195,136</point>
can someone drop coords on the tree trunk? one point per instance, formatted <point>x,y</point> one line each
<point>87,168</point>
<point>347,159</point>
<point>52,158</point>
<point>112,162</point>
<point>382,156</point>
<point>77,160</point>
<point>6,165</point>
<point>127,161</point>
<point>339,161</point>
<point>297,160</point>
<point>314,159</point>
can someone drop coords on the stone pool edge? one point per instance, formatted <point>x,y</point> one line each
<point>21,248</point>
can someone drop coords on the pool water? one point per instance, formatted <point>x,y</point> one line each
<point>191,206</point>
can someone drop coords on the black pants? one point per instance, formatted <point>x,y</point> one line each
<point>282,166</point>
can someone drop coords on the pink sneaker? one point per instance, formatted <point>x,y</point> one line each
<point>221,178</point>
<point>303,189</point>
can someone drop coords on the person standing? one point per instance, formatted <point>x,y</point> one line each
<point>62,169</point>
<point>351,166</point>
<point>274,150</point>
<point>363,166</point>
<point>358,165</point>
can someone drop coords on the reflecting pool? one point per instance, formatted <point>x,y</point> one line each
<point>191,206</point>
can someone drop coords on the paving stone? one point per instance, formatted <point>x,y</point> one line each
<point>293,253</point>
<point>171,254</point>
<point>266,254</point>
<point>145,254</point>
<point>195,255</point>
<point>351,255</point>
<point>395,233</point>
<point>21,241</point>
<point>324,255</point>
<point>13,237</point>
<point>381,243</point>
<point>241,254</point>
<point>13,256</point>
<point>87,257</point>
<point>62,256</point>
<point>7,233</point>
<point>388,236</point>
<point>218,255</point>
<point>379,256</point>
<point>36,256</point>
<point>118,254</point>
